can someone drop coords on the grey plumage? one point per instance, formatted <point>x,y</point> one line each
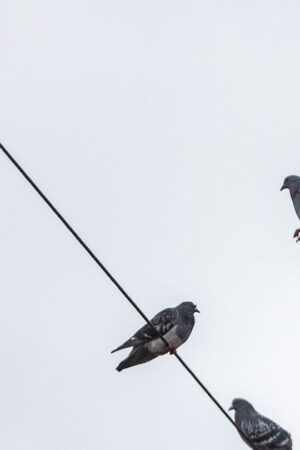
<point>174,324</point>
<point>292,183</point>
<point>259,432</point>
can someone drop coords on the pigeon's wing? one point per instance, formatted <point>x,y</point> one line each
<point>138,355</point>
<point>264,433</point>
<point>163,322</point>
<point>296,201</point>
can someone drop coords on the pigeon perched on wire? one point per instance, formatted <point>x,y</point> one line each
<point>174,324</point>
<point>257,431</point>
<point>292,182</point>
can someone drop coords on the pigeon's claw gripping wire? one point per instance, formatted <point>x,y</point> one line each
<point>296,235</point>
<point>172,349</point>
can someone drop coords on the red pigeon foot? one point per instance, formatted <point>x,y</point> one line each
<point>296,234</point>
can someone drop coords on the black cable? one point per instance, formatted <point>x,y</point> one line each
<point>115,282</point>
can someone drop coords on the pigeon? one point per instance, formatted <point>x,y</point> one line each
<point>292,182</point>
<point>257,431</point>
<point>174,324</point>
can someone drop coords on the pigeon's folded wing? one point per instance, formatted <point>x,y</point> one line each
<point>265,433</point>
<point>163,322</point>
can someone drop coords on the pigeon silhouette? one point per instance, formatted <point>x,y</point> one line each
<point>174,324</point>
<point>259,432</point>
<point>292,183</point>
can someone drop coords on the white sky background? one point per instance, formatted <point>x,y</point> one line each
<point>163,131</point>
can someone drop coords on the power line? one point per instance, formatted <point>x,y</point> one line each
<point>116,283</point>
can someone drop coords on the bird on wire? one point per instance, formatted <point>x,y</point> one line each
<point>292,182</point>
<point>174,324</point>
<point>259,432</point>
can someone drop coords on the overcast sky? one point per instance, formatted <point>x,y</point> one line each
<point>163,131</point>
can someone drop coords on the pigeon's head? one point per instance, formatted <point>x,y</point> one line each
<point>239,404</point>
<point>188,307</point>
<point>292,182</point>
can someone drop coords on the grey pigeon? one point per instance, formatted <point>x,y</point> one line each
<point>292,182</point>
<point>259,432</point>
<point>174,324</point>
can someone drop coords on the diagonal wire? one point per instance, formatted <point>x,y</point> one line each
<point>116,283</point>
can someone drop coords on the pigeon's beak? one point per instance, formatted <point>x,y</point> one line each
<point>283,187</point>
<point>197,310</point>
<point>231,408</point>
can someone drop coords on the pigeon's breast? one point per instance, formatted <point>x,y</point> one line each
<point>296,202</point>
<point>158,347</point>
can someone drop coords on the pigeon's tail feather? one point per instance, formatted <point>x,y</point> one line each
<point>138,355</point>
<point>126,344</point>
